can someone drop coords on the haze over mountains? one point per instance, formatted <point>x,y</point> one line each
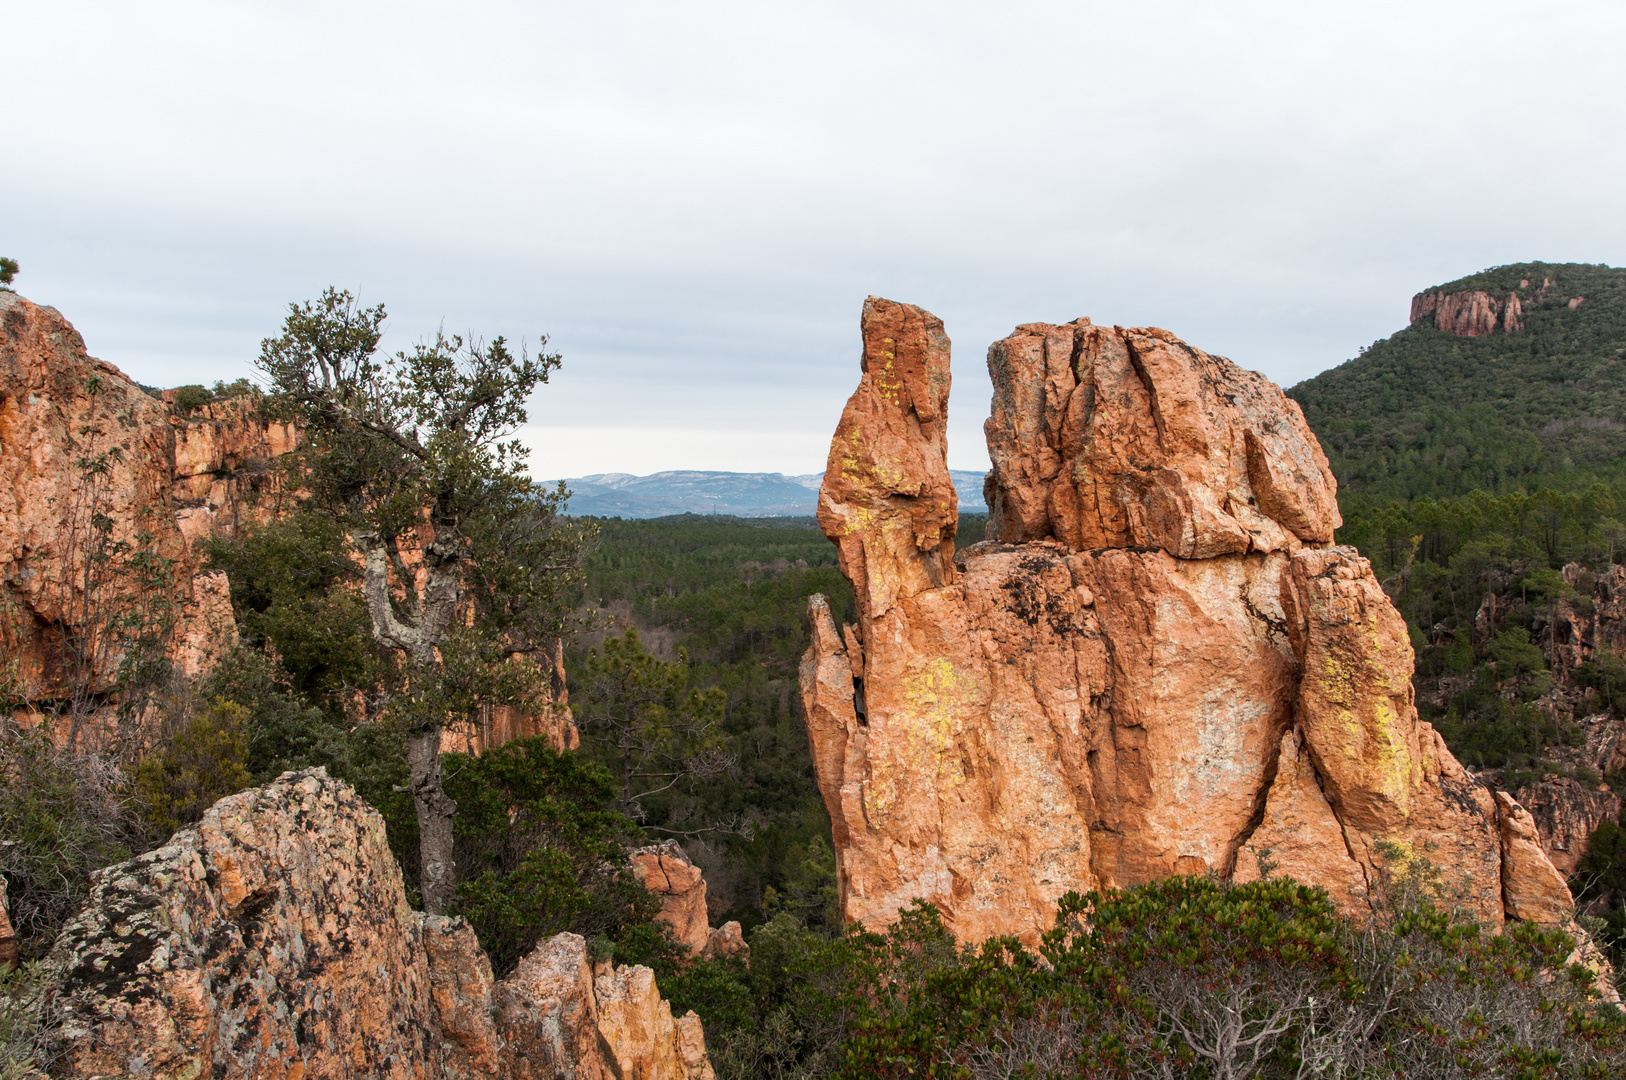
<point>742,494</point>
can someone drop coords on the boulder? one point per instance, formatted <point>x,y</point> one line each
<point>667,872</point>
<point>1157,663</point>
<point>727,940</point>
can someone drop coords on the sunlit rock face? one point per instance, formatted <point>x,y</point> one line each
<point>1157,664</point>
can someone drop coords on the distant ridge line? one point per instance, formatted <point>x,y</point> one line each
<point>702,491</point>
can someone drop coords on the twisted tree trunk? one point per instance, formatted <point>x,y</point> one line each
<point>419,637</point>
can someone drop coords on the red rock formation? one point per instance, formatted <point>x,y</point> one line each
<point>559,1016</point>
<point>174,477</point>
<point>1471,312</point>
<point>1566,813</point>
<point>1155,663</point>
<point>727,940</point>
<point>667,872</point>
<point>168,480</point>
<point>274,940</point>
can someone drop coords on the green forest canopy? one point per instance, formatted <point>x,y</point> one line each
<point>1424,412</point>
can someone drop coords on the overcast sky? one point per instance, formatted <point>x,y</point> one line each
<point>694,199</point>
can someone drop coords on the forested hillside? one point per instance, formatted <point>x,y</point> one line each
<point>729,595</point>
<point>1485,477</point>
<point>1426,412</point>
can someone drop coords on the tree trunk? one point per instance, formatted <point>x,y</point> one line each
<point>435,808</point>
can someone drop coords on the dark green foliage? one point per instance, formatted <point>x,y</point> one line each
<point>63,815</point>
<point>8,272</point>
<point>642,716</point>
<point>1426,413</point>
<point>296,590</point>
<point>1444,561</point>
<point>1600,886</point>
<point>734,592</point>
<point>202,762</point>
<point>189,399</point>
<point>1191,977</point>
<point>539,849</point>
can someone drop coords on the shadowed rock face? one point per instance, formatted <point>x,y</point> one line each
<point>1157,664</point>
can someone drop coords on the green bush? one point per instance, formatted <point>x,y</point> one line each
<point>540,849</point>
<point>25,1028</point>
<point>189,399</point>
<point>201,763</point>
<point>63,815</point>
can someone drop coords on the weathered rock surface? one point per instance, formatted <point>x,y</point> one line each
<point>667,872</point>
<point>727,940</point>
<point>1566,813</point>
<point>274,933</point>
<point>167,480</point>
<point>172,477</point>
<point>1470,313</point>
<point>1156,661</point>
<point>274,940</point>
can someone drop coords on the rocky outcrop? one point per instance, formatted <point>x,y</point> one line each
<point>80,442</point>
<point>1566,812</point>
<point>93,470</point>
<point>727,940</point>
<point>667,872</point>
<point>274,940</point>
<point>560,1016</point>
<point>498,724</point>
<point>1157,663</point>
<point>275,931</point>
<point>1469,313</point>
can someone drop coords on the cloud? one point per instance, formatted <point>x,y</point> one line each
<point>693,200</point>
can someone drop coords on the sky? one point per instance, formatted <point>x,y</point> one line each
<point>693,200</point>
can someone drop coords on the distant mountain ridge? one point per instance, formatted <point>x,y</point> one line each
<point>742,494</point>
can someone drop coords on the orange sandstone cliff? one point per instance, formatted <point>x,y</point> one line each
<point>1157,663</point>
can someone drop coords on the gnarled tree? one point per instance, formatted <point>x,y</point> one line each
<point>466,561</point>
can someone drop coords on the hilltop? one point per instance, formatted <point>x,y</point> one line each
<point>1512,378</point>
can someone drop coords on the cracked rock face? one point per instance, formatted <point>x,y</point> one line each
<point>1157,664</point>
<point>667,872</point>
<point>274,932</point>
